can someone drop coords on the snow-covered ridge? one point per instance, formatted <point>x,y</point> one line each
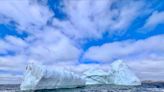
<point>39,77</point>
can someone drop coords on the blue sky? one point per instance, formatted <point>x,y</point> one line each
<point>78,34</point>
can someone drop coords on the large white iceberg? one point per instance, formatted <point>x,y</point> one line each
<point>96,76</point>
<point>39,77</point>
<point>120,74</point>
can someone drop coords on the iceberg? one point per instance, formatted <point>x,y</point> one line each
<point>96,76</point>
<point>38,76</point>
<point>120,74</point>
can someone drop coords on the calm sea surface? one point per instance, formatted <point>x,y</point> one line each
<point>145,87</point>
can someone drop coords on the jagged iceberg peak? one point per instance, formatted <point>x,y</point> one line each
<point>122,75</point>
<point>38,76</point>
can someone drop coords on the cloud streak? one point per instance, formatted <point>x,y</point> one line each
<point>155,19</point>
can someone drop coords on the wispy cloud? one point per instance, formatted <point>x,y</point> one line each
<point>155,19</point>
<point>126,49</point>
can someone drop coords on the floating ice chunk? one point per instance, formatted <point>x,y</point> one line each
<point>122,75</point>
<point>39,77</point>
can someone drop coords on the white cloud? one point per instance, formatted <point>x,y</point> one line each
<point>44,43</point>
<point>144,56</point>
<point>14,63</point>
<point>90,20</point>
<point>58,44</point>
<point>52,46</point>
<point>10,79</point>
<point>155,19</point>
<point>86,19</point>
<point>129,48</point>
<point>48,47</point>
<point>13,44</point>
<point>80,68</point>
<point>148,69</point>
<point>25,13</point>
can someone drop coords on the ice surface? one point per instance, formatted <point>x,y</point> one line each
<point>39,77</point>
<point>96,76</point>
<point>120,74</point>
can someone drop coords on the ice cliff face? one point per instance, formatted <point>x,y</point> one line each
<point>120,74</point>
<point>39,77</point>
<point>95,76</point>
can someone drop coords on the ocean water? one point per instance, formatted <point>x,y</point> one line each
<point>145,87</point>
